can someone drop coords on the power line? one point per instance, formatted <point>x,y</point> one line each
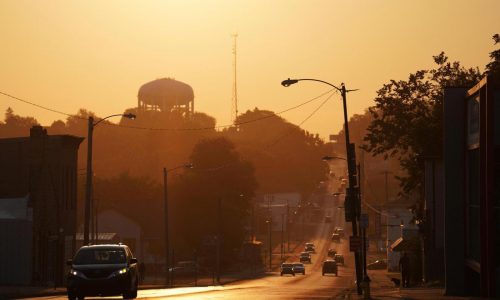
<point>277,140</point>
<point>40,106</point>
<point>173,129</point>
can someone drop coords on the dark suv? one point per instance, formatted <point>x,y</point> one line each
<point>103,270</point>
<point>330,266</point>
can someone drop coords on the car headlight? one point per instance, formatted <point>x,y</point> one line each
<point>76,273</point>
<point>119,272</point>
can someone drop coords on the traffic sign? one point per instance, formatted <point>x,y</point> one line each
<point>354,243</point>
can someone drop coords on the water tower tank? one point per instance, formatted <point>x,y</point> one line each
<point>166,94</point>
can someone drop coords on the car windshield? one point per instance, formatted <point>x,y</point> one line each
<point>100,256</point>
<point>304,254</point>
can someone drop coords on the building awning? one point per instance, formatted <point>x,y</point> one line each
<point>402,244</point>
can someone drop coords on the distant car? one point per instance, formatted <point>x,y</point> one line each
<point>310,244</point>
<point>328,219</point>
<point>377,265</point>
<point>305,257</point>
<point>299,268</point>
<point>332,252</point>
<point>339,258</point>
<point>336,237</point>
<point>103,270</point>
<point>310,248</point>
<point>330,267</point>
<point>287,268</point>
<point>340,231</point>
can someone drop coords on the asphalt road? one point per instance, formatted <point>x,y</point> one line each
<point>310,286</point>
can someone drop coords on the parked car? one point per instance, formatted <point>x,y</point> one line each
<point>336,237</point>
<point>339,258</point>
<point>305,257</point>
<point>377,265</point>
<point>330,267</point>
<point>299,268</point>
<point>103,270</point>
<point>287,268</point>
<point>310,245</point>
<point>332,252</point>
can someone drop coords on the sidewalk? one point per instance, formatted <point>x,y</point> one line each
<point>381,287</point>
<point>16,292</point>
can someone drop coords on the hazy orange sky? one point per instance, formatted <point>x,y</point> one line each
<point>96,54</point>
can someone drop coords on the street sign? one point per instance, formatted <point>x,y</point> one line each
<point>354,243</point>
<point>363,221</point>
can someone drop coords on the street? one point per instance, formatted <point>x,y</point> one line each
<point>273,286</point>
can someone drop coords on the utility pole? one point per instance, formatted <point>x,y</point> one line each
<point>167,246</point>
<point>219,237</point>
<point>352,206</point>
<point>88,184</point>
<point>288,225</point>
<point>270,244</point>
<point>234,102</point>
<point>353,192</point>
<point>366,279</point>
<point>282,237</point>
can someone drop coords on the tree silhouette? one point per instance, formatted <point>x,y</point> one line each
<point>407,116</point>
<point>219,174</point>
<point>493,67</point>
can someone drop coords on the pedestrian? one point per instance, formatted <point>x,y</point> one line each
<point>142,271</point>
<point>404,267</point>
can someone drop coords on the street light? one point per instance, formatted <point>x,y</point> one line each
<point>165,206</point>
<point>353,193</point>
<point>88,195</point>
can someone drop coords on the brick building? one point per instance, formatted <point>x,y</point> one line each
<point>42,169</point>
<point>472,189</point>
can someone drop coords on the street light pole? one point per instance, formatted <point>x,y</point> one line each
<point>351,160</point>
<point>166,223</point>
<point>167,246</point>
<point>88,184</point>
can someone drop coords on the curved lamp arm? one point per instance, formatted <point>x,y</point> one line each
<point>129,116</point>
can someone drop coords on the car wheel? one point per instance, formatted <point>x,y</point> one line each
<point>130,295</point>
<point>71,296</point>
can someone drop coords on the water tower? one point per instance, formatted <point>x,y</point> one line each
<point>165,95</point>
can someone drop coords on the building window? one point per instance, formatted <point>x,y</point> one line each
<point>473,120</point>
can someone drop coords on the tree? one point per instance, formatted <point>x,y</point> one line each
<point>493,67</point>
<point>407,116</point>
<point>15,125</point>
<point>286,157</point>
<point>219,174</point>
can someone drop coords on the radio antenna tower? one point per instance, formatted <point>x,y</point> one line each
<point>234,100</point>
